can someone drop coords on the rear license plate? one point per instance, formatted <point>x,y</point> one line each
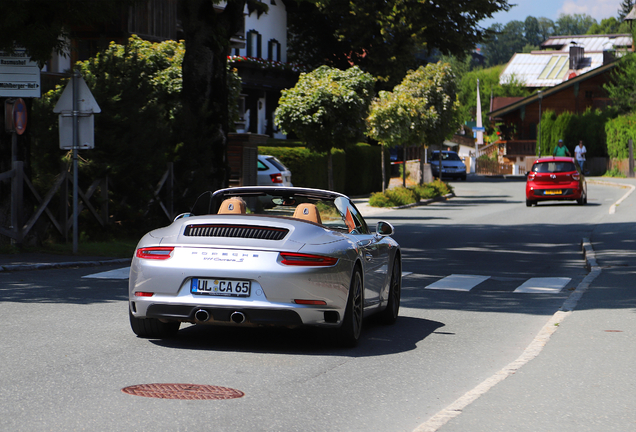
<point>553,192</point>
<point>221,287</point>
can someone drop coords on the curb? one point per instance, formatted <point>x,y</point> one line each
<point>46,266</point>
<point>425,202</point>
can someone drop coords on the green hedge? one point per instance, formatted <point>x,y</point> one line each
<point>571,128</point>
<point>357,171</point>
<point>619,131</point>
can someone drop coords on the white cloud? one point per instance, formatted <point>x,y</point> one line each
<point>597,9</point>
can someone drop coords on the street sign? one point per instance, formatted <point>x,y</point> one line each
<point>19,116</point>
<point>19,76</point>
<point>479,129</point>
<point>86,103</point>
<point>86,107</point>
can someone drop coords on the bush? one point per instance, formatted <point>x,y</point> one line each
<point>402,196</point>
<point>619,131</point>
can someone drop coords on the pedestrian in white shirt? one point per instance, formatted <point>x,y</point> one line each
<point>579,154</point>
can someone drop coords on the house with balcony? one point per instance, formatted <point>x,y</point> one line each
<point>567,75</point>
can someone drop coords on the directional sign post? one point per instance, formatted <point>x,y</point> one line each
<point>76,103</point>
<point>19,76</point>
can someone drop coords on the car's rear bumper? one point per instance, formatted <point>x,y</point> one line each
<point>552,194</point>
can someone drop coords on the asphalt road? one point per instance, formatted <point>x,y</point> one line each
<point>66,349</point>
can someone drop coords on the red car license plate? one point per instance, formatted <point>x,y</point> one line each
<point>221,287</point>
<point>553,192</point>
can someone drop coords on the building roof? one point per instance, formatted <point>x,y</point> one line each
<point>591,43</point>
<point>552,66</point>
<point>546,68</point>
<point>536,96</point>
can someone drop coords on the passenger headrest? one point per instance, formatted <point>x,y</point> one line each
<point>232,206</point>
<point>308,212</point>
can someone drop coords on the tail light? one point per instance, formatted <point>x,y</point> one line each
<point>531,175</point>
<point>576,176</point>
<point>276,178</point>
<point>157,252</point>
<point>297,259</point>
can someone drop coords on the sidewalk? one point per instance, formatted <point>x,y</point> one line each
<point>41,261</point>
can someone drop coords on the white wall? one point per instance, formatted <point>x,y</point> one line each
<point>272,25</point>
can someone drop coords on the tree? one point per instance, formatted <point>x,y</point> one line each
<point>488,85</point>
<point>622,86</point>
<point>610,26</point>
<point>576,24</point>
<point>44,26</point>
<point>383,38</point>
<point>625,8</point>
<point>421,110</point>
<point>327,108</point>
<point>505,42</point>
<point>138,87</point>
<point>205,120</point>
<point>532,31</point>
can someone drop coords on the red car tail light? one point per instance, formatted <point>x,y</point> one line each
<point>157,252</point>
<point>276,178</point>
<point>298,259</point>
<point>143,294</point>
<point>531,176</point>
<point>576,176</point>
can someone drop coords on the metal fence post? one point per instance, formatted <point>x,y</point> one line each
<point>630,174</point>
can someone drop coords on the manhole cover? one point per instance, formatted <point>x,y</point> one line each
<point>183,391</point>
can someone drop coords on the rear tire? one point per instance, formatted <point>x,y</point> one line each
<point>349,332</point>
<point>152,327</point>
<point>530,203</point>
<point>389,315</point>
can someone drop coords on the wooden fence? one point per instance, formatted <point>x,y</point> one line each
<point>55,203</point>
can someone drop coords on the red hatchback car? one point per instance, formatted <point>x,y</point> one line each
<point>555,178</point>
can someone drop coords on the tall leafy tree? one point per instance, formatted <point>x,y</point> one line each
<point>622,86</point>
<point>505,42</point>
<point>383,37</point>
<point>625,8</point>
<point>44,26</point>
<point>576,24</point>
<point>327,108</point>
<point>532,31</point>
<point>421,110</point>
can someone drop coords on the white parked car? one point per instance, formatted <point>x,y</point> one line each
<point>272,172</point>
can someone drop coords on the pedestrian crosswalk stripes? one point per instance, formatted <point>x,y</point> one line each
<point>459,282</point>
<point>543,285</point>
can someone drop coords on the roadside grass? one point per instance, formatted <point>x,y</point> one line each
<point>112,248</point>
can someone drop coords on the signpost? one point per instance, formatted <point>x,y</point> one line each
<point>76,103</point>
<point>19,76</point>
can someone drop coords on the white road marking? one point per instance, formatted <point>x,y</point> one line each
<point>121,273</point>
<point>543,285</point>
<point>406,273</point>
<point>458,282</point>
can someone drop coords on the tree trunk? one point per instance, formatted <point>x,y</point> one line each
<point>202,158</point>
<point>383,169</point>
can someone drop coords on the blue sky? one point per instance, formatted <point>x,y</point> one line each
<point>597,9</point>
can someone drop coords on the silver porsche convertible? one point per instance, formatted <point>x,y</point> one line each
<point>266,256</point>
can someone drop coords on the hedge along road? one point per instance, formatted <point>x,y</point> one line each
<point>68,351</point>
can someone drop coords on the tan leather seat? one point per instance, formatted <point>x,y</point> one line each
<point>232,206</point>
<point>308,212</point>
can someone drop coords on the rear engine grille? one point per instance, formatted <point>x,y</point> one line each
<point>236,231</point>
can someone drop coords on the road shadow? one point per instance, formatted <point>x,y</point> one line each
<point>376,339</point>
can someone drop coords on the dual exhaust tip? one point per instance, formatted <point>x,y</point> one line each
<point>236,317</point>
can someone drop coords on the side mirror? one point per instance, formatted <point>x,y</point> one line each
<point>384,229</point>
